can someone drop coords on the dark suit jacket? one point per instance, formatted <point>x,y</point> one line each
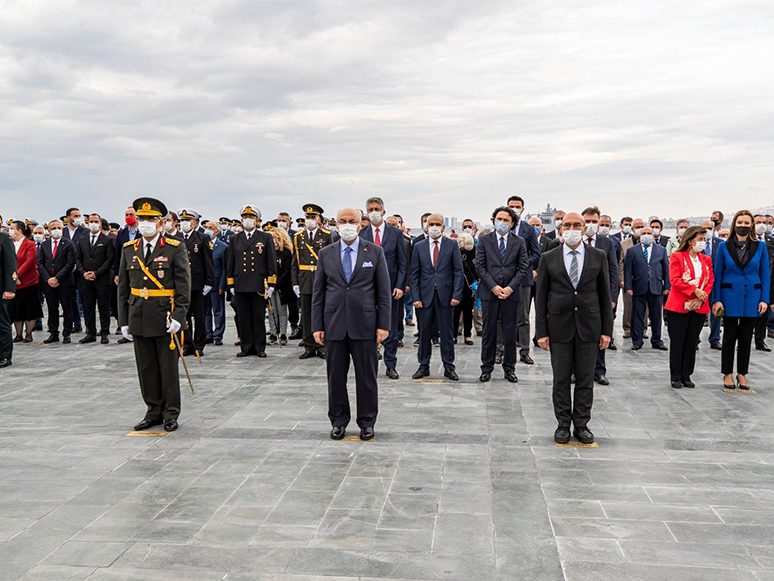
<point>608,246</point>
<point>7,264</point>
<point>447,279</point>
<point>561,311</point>
<point>493,272</point>
<point>200,256</point>
<point>219,263</point>
<point>527,232</point>
<point>355,309</point>
<point>100,258</point>
<point>60,266</point>
<point>642,276</point>
<point>122,237</point>
<point>73,237</point>
<point>662,240</point>
<point>617,244</point>
<point>550,235</point>
<point>409,247</point>
<point>394,253</point>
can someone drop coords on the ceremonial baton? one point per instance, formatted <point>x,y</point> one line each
<point>180,353</point>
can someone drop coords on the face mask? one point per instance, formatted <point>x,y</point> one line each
<point>717,222</point>
<point>168,227</point>
<point>435,232</point>
<point>557,223</point>
<point>468,230</point>
<point>223,227</point>
<point>39,238</point>
<point>742,231</point>
<point>147,229</point>
<point>185,226</point>
<point>768,228</point>
<point>283,225</point>
<point>56,233</point>
<point>130,220</point>
<point>517,211</point>
<point>681,232</point>
<point>591,229</point>
<point>502,227</point>
<point>627,229</point>
<point>604,230</point>
<point>424,228</point>
<point>209,233</point>
<point>12,234</point>
<point>538,230</point>
<point>699,246</point>
<point>76,222</point>
<point>760,229</point>
<point>709,232</point>
<point>571,237</point>
<point>348,232</point>
<point>311,223</point>
<point>375,218</point>
<point>248,223</point>
<point>637,232</point>
<point>94,227</point>
<point>647,239</point>
<point>656,231</point>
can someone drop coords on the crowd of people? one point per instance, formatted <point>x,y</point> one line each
<point>359,303</point>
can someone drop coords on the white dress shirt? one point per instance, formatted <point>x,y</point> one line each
<point>152,243</point>
<point>568,258</point>
<point>380,228</point>
<point>432,248</point>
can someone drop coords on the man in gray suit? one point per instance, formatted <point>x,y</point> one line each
<point>351,303</point>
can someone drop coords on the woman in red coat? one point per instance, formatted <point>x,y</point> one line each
<point>24,309</point>
<point>690,272</point>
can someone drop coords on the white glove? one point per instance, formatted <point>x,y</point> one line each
<point>270,291</point>
<point>173,326</point>
<point>206,290</point>
<point>126,334</point>
<point>297,290</point>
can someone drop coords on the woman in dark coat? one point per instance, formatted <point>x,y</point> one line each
<point>465,308</point>
<point>283,289</point>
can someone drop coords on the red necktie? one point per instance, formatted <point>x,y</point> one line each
<point>53,252</point>
<point>377,239</point>
<point>435,255</point>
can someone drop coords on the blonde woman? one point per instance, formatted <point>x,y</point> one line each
<point>278,320</point>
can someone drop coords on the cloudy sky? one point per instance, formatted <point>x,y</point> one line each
<point>659,107</point>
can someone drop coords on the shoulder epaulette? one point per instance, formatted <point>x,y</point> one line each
<point>297,234</point>
<point>130,243</point>
<point>172,241</point>
<point>324,231</point>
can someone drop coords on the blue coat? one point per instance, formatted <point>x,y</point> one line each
<point>394,252</point>
<point>219,259</point>
<point>642,276</point>
<point>447,279</point>
<point>741,290</point>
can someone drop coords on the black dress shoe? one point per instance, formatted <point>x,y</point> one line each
<point>511,376</point>
<point>307,354</point>
<point>147,423</point>
<point>321,353</point>
<point>420,373</point>
<point>104,340</point>
<point>296,335</point>
<point>451,374</point>
<point>762,347</point>
<point>716,346</point>
<point>688,383</point>
<point>123,341</point>
<point>245,353</point>
<point>562,435</point>
<point>601,380</point>
<point>367,433</point>
<point>526,359</point>
<point>88,339</point>
<point>583,435</point>
<point>661,347</point>
<point>261,354</point>
<point>170,425</point>
<point>677,384</point>
<point>209,341</point>
<point>468,341</point>
<point>66,340</point>
<point>338,433</point>
<point>218,342</point>
<point>636,347</point>
<point>392,373</point>
<point>485,376</point>
<point>52,338</point>
<point>612,347</point>
<point>5,363</point>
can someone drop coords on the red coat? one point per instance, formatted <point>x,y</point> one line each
<point>27,264</point>
<point>682,291</point>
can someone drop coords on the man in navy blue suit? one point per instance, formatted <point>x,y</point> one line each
<point>390,239</point>
<point>527,233</point>
<point>436,286</point>
<point>350,315</point>
<point>711,250</point>
<point>646,280</point>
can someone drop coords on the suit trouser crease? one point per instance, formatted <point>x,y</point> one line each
<point>157,369</point>
<point>576,357</point>
<point>251,307</point>
<point>443,317</point>
<point>306,323</point>
<point>196,337</point>
<point>641,304</point>
<point>61,295</point>
<point>493,311</point>
<point>215,319</point>
<point>96,297</point>
<point>363,355</point>
<point>524,308</point>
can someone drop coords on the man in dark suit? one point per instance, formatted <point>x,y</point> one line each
<point>199,249</point>
<point>711,250</point>
<point>390,240</point>
<point>351,303</point>
<point>558,217</point>
<point>216,306</point>
<point>396,222</point>
<point>646,280</point>
<point>73,232</point>
<point>658,228</point>
<point>760,233</point>
<point>8,285</point>
<point>527,232</point>
<point>436,286</point>
<point>626,229</point>
<point>56,262</point>
<point>574,320</point>
<point>94,259</point>
<point>592,238</point>
<point>501,261</point>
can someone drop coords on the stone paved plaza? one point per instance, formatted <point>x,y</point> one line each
<point>462,482</point>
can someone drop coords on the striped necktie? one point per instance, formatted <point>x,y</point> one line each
<point>574,278</point>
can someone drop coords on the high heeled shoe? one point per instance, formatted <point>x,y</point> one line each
<point>739,385</point>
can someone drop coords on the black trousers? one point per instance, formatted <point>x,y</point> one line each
<point>464,310</point>
<point>363,355</point>
<point>196,319</point>
<point>293,311</point>
<point>61,295</point>
<point>761,328</point>
<point>306,323</point>
<point>737,330</point>
<point>390,344</point>
<point>76,299</point>
<point>251,310</point>
<point>159,376</point>
<point>684,330</point>
<point>579,357</point>
<point>641,304</point>
<point>444,316</point>
<point>96,295</point>
<point>507,312</point>
<point>6,336</point>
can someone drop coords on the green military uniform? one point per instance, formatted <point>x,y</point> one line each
<point>150,289</point>
<point>306,251</point>
<point>7,285</point>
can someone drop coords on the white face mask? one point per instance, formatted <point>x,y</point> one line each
<point>517,211</point>
<point>571,237</point>
<point>185,226</point>
<point>168,227</point>
<point>627,229</point>
<point>502,227</point>
<point>604,230</point>
<point>709,232</point>
<point>375,218</point>
<point>76,221</point>
<point>656,231</point>
<point>699,246</point>
<point>348,232</point>
<point>681,232</point>
<point>769,228</point>
<point>591,229</point>
<point>557,223</point>
<point>760,229</point>
<point>637,232</point>
<point>248,223</point>
<point>147,229</point>
<point>283,225</point>
<point>311,223</point>
<point>39,238</point>
<point>646,239</point>
<point>435,232</point>
<point>468,230</point>
<point>56,233</point>
<point>224,227</point>
<point>94,227</point>
<point>209,233</point>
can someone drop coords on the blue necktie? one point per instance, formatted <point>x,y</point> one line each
<point>502,249</point>
<point>645,250</point>
<point>347,263</point>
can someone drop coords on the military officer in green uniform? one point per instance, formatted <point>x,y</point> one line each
<point>154,293</point>
<point>307,245</point>
<point>8,285</point>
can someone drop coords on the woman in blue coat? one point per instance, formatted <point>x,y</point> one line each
<point>741,295</point>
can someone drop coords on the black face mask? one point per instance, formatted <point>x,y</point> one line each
<point>742,231</point>
<point>717,222</point>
